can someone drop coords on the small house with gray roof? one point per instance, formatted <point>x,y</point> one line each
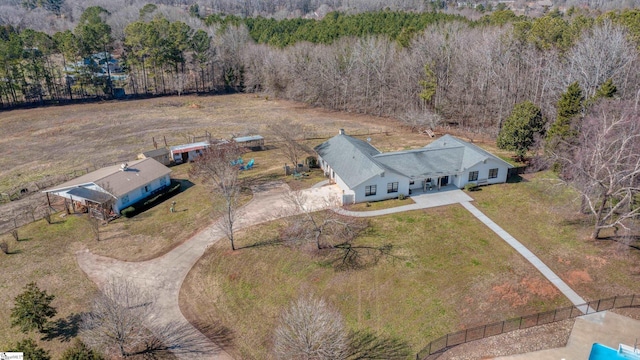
<point>113,188</point>
<point>366,174</point>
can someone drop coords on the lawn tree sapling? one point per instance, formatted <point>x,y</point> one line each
<point>290,137</point>
<point>216,168</point>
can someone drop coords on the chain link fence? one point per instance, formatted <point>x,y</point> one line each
<point>437,347</point>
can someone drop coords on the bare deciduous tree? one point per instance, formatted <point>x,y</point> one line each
<point>290,136</point>
<point>321,227</point>
<point>121,325</point>
<point>310,329</point>
<point>604,166</point>
<point>216,167</point>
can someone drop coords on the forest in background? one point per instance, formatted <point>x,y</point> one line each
<point>423,67</point>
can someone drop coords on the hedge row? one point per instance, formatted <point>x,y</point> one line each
<point>148,203</point>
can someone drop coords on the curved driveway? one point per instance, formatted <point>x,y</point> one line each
<point>162,277</point>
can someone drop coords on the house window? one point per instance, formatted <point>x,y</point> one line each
<point>428,180</point>
<point>493,173</point>
<point>146,188</point>
<point>392,187</point>
<point>411,182</point>
<point>473,176</point>
<point>125,199</point>
<point>370,190</point>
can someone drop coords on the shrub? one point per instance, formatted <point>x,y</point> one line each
<point>401,197</point>
<point>471,187</point>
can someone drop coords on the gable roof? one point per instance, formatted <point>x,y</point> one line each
<point>351,158</point>
<point>472,154</point>
<point>117,181</point>
<point>423,163</point>
<point>356,161</point>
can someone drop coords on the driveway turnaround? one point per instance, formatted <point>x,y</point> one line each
<point>534,260</point>
<point>426,200</point>
<point>162,277</point>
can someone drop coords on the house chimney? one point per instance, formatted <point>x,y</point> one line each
<point>341,132</point>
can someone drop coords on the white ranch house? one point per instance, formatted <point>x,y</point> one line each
<point>366,174</point>
<point>116,186</point>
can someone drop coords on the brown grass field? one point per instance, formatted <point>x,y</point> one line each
<point>451,272</point>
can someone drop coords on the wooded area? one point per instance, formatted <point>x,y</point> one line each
<point>421,67</point>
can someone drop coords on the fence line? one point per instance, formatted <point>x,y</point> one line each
<point>437,347</point>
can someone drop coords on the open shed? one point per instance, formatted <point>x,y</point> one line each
<point>253,142</point>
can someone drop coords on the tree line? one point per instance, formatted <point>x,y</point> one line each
<point>421,67</point>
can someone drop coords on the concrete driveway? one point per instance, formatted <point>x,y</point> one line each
<point>162,277</point>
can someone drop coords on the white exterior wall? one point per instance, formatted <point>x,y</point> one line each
<point>381,187</point>
<point>139,193</point>
<point>483,173</point>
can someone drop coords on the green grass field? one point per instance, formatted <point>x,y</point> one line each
<point>449,272</point>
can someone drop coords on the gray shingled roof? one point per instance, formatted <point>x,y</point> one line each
<point>117,181</point>
<point>472,153</point>
<point>156,152</point>
<point>356,161</point>
<point>351,158</point>
<point>422,163</point>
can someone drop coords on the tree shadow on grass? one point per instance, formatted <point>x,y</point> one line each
<point>63,329</point>
<point>630,241</point>
<point>219,334</point>
<point>270,242</point>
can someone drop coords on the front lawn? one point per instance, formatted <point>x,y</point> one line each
<point>543,215</point>
<point>448,272</point>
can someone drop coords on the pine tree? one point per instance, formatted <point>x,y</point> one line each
<point>32,309</point>
<point>569,107</point>
<point>520,128</point>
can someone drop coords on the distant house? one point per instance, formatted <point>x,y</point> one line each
<point>366,174</point>
<point>253,142</point>
<point>187,152</point>
<point>100,64</point>
<point>161,155</point>
<point>113,188</point>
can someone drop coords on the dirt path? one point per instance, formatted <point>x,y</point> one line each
<point>162,277</point>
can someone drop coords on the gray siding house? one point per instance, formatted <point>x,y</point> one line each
<point>366,174</point>
<point>116,186</point>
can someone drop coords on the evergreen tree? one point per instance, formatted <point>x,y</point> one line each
<point>607,90</point>
<point>30,350</point>
<point>80,351</point>
<point>32,309</point>
<point>569,107</point>
<point>520,128</point>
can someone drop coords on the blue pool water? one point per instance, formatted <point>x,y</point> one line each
<point>601,352</point>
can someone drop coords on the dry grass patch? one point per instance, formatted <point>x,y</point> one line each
<point>45,254</point>
<point>544,217</point>
<point>442,278</point>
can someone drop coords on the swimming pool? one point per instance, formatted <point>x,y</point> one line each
<point>602,352</point>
